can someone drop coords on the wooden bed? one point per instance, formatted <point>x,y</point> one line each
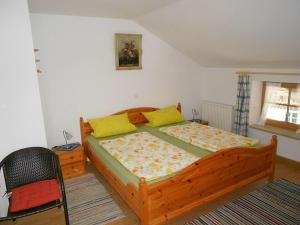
<point>205,180</point>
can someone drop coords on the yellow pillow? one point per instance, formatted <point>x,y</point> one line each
<point>163,116</point>
<point>111,125</point>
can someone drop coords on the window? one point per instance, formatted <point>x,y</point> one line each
<point>281,105</point>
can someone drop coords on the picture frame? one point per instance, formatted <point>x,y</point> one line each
<point>128,51</point>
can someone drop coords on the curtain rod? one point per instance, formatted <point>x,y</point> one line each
<point>246,73</point>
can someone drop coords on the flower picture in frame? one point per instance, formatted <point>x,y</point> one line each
<point>128,51</point>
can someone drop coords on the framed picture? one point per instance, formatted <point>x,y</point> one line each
<point>128,51</point>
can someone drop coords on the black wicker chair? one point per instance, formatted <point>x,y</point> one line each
<point>30,165</point>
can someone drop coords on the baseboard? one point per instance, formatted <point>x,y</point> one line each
<point>290,162</point>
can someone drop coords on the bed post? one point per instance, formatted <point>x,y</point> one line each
<point>82,133</point>
<point>144,201</point>
<point>179,106</point>
<point>274,146</point>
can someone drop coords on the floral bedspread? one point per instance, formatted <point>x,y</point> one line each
<point>148,156</point>
<point>207,137</point>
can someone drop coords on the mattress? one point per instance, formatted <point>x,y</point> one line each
<point>122,172</point>
<point>210,138</point>
<point>147,156</point>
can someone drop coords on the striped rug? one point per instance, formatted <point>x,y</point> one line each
<point>276,203</point>
<point>89,203</point>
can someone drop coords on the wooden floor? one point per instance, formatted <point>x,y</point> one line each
<point>284,169</point>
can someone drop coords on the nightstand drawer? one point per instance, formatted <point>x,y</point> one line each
<point>73,170</point>
<point>71,157</point>
<point>72,163</point>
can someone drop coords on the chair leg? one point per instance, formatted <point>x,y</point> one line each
<point>66,213</point>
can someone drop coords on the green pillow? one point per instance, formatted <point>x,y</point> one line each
<point>111,125</point>
<point>163,116</point>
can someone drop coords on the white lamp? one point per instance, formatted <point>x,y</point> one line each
<point>67,136</point>
<point>67,147</point>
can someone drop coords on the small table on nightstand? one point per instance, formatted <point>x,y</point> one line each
<point>203,122</point>
<point>72,162</point>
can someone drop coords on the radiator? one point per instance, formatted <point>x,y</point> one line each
<point>218,115</point>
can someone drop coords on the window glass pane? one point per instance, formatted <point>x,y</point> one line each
<point>294,115</point>
<point>276,94</point>
<point>276,112</point>
<point>295,97</point>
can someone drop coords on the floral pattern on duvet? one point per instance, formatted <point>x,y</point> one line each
<point>207,137</point>
<point>148,156</point>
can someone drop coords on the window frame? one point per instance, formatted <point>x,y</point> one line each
<point>276,123</point>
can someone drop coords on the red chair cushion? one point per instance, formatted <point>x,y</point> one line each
<point>34,194</point>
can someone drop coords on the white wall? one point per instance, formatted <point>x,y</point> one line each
<point>21,120</point>
<point>79,77</point>
<point>220,85</point>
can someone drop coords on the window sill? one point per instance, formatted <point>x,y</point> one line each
<point>276,130</point>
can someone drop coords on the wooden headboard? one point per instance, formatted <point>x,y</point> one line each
<point>135,116</point>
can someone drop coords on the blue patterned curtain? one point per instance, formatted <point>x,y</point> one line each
<point>241,116</point>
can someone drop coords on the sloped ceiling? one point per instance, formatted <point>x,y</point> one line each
<point>98,8</point>
<point>215,33</point>
<point>231,33</point>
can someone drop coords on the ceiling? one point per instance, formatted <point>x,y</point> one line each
<point>231,33</point>
<point>97,8</point>
<point>214,33</point>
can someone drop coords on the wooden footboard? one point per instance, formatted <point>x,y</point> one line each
<point>205,180</point>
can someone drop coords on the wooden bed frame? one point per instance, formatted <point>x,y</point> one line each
<point>205,180</point>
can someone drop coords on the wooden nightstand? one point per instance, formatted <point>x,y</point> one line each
<point>72,162</point>
<point>203,122</point>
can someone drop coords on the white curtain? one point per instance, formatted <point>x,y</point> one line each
<point>295,111</point>
<point>275,94</point>
<point>270,92</point>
